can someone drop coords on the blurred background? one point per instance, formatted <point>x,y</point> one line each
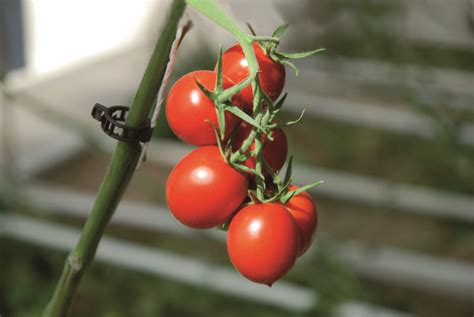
<point>389,127</point>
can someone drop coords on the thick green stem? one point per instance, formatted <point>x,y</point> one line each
<point>119,172</point>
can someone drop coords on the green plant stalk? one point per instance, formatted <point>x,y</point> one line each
<point>119,172</point>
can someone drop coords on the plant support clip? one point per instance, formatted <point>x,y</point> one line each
<point>112,121</point>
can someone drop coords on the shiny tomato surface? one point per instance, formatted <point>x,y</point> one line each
<point>304,212</point>
<point>263,242</point>
<point>271,75</point>
<point>203,190</point>
<point>190,112</point>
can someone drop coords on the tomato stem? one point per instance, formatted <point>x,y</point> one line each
<point>258,97</point>
<point>212,11</point>
<point>247,143</point>
<point>119,172</point>
<point>270,39</point>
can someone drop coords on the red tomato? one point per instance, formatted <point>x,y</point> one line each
<point>189,110</point>
<point>303,210</point>
<point>271,75</point>
<point>203,190</point>
<point>263,242</point>
<point>274,152</point>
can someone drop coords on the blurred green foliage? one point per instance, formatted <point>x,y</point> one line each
<point>29,273</point>
<point>438,163</point>
<point>364,29</point>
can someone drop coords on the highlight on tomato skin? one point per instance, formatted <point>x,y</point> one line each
<point>274,152</point>
<point>190,112</point>
<point>203,191</point>
<point>263,242</point>
<point>271,75</point>
<point>305,214</point>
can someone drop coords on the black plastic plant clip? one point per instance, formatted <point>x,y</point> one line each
<point>112,121</point>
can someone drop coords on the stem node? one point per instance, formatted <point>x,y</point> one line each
<point>75,263</point>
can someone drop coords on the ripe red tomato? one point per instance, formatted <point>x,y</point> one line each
<point>189,110</point>
<point>304,212</point>
<point>203,190</point>
<point>271,75</point>
<point>274,152</point>
<point>263,242</point>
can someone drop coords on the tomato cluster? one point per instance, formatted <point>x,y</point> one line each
<point>205,189</point>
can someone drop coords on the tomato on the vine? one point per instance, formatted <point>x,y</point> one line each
<point>263,242</point>
<point>274,152</point>
<point>267,230</point>
<point>305,214</point>
<point>190,112</point>
<point>271,74</point>
<point>203,190</point>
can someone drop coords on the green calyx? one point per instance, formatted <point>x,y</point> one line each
<point>270,47</point>
<point>282,193</point>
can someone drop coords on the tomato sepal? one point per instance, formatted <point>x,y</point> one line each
<point>280,30</point>
<point>247,169</point>
<point>209,94</point>
<point>300,54</point>
<point>219,84</point>
<point>244,116</point>
<point>286,197</point>
<point>253,197</point>
<point>290,123</point>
